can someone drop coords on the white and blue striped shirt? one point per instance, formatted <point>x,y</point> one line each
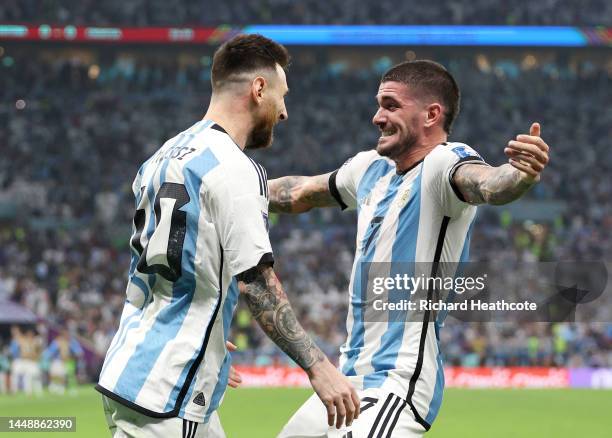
<point>414,217</point>
<point>201,213</point>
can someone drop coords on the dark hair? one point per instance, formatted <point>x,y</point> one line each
<point>246,53</point>
<point>432,80</point>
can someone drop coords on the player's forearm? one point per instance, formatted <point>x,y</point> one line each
<point>481,184</point>
<point>286,195</point>
<point>299,194</point>
<point>269,305</point>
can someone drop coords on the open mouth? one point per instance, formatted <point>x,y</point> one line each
<point>387,132</point>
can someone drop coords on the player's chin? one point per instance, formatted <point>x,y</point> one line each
<point>260,141</point>
<point>386,146</point>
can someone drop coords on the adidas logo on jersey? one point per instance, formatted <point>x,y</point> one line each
<point>199,399</point>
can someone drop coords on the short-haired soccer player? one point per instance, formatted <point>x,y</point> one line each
<point>416,195</point>
<point>199,240</point>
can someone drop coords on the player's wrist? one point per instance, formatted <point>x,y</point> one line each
<point>319,367</point>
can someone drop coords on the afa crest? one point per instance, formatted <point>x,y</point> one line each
<point>403,198</point>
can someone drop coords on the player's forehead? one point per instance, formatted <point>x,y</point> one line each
<point>393,90</point>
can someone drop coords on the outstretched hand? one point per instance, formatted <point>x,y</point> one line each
<point>528,153</point>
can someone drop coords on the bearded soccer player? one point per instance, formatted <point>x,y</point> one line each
<point>416,195</point>
<point>199,240</point>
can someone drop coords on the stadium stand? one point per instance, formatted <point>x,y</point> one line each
<point>195,12</point>
<point>80,122</point>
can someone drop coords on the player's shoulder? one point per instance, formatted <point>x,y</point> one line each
<point>453,151</point>
<point>214,148</point>
<point>236,172</point>
<point>448,155</point>
<point>368,156</point>
<point>363,160</point>
<point>237,165</point>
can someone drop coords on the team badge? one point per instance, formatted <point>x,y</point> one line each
<point>465,151</point>
<point>403,199</point>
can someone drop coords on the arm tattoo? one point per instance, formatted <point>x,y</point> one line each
<point>298,194</point>
<point>481,184</point>
<point>270,307</point>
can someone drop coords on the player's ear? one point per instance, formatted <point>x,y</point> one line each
<point>433,115</point>
<point>257,89</point>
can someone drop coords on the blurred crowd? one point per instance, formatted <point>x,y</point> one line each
<point>75,132</point>
<point>29,364</point>
<point>235,12</point>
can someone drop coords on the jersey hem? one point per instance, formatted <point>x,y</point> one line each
<point>134,406</point>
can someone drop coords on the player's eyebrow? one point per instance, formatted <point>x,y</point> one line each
<point>386,97</point>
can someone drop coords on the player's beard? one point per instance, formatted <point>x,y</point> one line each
<point>262,134</point>
<point>399,148</point>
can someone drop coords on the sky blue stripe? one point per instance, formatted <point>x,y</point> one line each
<point>436,401</point>
<point>222,379</point>
<point>403,255</point>
<point>125,327</point>
<point>170,319</point>
<point>377,170</point>
<point>220,387</point>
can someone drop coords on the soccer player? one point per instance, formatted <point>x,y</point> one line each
<point>26,349</point>
<point>416,195</point>
<point>64,355</point>
<point>199,240</point>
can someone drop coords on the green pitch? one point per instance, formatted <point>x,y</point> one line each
<point>260,413</point>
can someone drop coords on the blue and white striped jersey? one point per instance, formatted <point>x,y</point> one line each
<point>201,220</point>
<point>414,217</point>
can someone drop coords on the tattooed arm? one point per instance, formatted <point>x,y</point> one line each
<point>269,305</point>
<point>528,156</point>
<point>481,184</point>
<point>298,194</point>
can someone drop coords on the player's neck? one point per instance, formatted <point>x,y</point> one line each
<point>236,123</point>
<point>417,154</point>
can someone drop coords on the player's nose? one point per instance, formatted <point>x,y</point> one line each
<point>378,119</point>
<point>283,114</point>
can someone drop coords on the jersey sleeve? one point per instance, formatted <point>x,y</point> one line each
<point>239,209</point>
<point>444,163</point>
<point>343,182</point>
